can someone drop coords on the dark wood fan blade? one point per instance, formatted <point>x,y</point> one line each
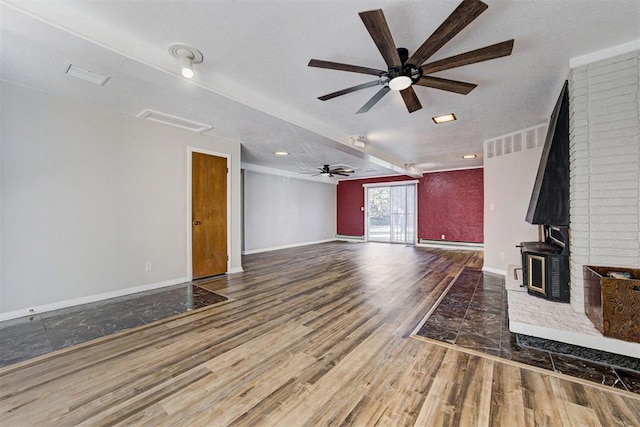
<point>349,90</point>
<point>448,85</point>
<point>345,67</point>
<point>411,99</point>
<point>479,55</point>
<point>379,30</point>
<point>374,99</point>
<point>341,174</point>
<point>464,14</point>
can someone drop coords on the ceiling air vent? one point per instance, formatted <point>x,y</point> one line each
<point>168,119</point>
<point>86,75</point>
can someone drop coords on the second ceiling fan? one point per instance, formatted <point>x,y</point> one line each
<point>403,71</point>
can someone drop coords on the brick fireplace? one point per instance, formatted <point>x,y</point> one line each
<point>605,165</point>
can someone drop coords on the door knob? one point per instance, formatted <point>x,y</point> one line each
<point>196,222</point>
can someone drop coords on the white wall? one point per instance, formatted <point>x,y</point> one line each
<point>510,167</point>
<point>281,211</point>
<point>89,196</point>
<point>605,167</point>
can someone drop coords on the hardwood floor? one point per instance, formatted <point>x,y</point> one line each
<point>317,335</point>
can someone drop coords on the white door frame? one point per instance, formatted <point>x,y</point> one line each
<point>190,151</point>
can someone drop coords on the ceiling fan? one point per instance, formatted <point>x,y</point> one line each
<point>331,171</point>
<point>403,71</point>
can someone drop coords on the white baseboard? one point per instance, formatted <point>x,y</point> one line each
<point>236,270</point>
<point>351,239</point>
<point>494,270</point>
<point>453,245</point>
<point>293,245</point>
<point>88,299</point>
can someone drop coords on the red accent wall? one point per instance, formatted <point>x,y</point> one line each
<point>449,203</point>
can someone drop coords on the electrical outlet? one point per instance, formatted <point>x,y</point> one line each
<point>147,266</point>
<point>442,237</point>
<point>501,255</point>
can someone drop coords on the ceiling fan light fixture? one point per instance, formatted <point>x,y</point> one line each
<point>400,83</point>
<point>444,118</point>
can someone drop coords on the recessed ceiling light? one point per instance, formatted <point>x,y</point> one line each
<point>469,156</point>
<point>281,153</point>
<point>444,118</point>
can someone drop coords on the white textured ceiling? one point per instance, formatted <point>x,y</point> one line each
<point>254,85</point>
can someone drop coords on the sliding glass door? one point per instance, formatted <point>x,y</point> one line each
<point>391,213</point>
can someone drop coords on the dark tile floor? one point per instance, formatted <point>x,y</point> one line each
<point>31,336</point>
<point>474,314</point>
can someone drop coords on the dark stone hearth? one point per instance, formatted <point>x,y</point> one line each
<point>28,337</point>
<point>474,315</point>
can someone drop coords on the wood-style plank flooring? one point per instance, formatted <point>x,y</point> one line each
<point>317,335</point>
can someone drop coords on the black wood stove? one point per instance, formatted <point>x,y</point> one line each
<point>545,265</point>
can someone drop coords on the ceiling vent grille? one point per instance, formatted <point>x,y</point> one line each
<point>86,75</point>
<point>168,119</point>
<point>526,139</point>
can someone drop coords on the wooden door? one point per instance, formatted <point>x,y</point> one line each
<point>209,215</point>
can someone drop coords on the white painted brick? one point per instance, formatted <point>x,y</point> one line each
<point>580,69</point>
<point>615,251</point>
<point>579,219</point>
<point>580,195</point>
<point>579,116</point>
<point>615,235</point>
<point>579,163</point>
<point>613,210</point>
<point>611,159</point>
<point>609,69</point>
<point>579,251</point>
<point>614,125</point>
<point>580,227</point>
<point>605,94</point>
<point>579,179</point>
<point>624,149</point>
<point>578,140</point>
<point>606,194</point>
<point>629,97</point>
<point>579,101</point>
<point>580,259</point>
<point>594,66</point>
<point>614,220</point>
<point>580,237</point>
<point>614,177</point>
<point>604,186</point>
<point>581,123</point>
<point>613,261</point>
<point>612,202</point>
<point>583,130</point>
<point>581,155</point>
<point>578,74</point>
<point>579,205</point>
<point>606,169</point>
<point>613,117</point>
<point>611,85</point>
<point>628,108</point>
<point>601,244</point>
<point>630,73</point>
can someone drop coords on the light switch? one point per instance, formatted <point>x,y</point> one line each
<point>492,206</point>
